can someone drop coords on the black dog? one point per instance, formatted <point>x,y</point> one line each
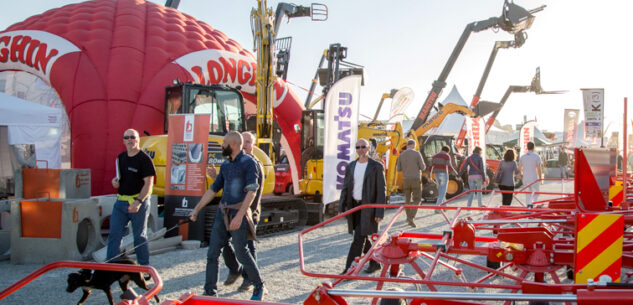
<point>100,279</point>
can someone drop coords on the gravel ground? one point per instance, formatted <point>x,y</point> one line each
<point>278,257</point>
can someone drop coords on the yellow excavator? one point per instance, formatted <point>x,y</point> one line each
<point>226,106</point>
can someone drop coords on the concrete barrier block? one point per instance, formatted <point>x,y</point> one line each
<point>78,238</point>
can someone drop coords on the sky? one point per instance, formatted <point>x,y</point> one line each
<point>406,43</point>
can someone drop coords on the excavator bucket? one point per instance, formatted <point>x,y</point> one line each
<point>483,108</point>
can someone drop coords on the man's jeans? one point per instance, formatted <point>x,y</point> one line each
<point>231,261</point>
<point>563,172</point>
<point>442,184</point>
<point>118,223</point>
<point>475,183</point>
<point>533,188</point>
<point>239,240</point>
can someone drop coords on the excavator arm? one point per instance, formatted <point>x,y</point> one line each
<point>439,117</point>
<point>265,26</point>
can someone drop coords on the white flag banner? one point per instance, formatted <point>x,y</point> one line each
<point>341,132</point>
<point>476,135</point>
<point>399,103</point>
<point>593,100</point>
<point>526,134</point>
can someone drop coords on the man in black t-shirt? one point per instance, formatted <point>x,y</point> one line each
<point>134,180</point>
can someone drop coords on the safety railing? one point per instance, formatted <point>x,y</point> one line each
<point>141,299</point>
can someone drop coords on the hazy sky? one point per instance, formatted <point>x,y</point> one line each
<point>405,43</point>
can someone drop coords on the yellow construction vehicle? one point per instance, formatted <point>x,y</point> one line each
<point>385,143</point>
<point>226,106</point>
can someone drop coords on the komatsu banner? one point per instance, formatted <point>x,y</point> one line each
<point>593,100</point>
<point>526,134</point>
<point>341,130</point>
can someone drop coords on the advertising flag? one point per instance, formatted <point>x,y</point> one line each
<point>399,103</point>
<point>476,135</point>
<point>341,131</point>
<point>570,126</point>
<point>593,101</point>
<point>526,134</point>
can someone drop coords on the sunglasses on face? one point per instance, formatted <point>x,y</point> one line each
<point>129,137</point>
<point>361,146</point>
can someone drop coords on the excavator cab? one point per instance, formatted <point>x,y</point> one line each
<point>312,141</point>
<point>225,104</point>
<point>226,107</point>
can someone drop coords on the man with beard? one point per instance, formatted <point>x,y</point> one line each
<point>235,270</point>
<point>237,178</point>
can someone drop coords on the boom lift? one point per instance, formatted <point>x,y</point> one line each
<point>535,86</point>
<point>514,19</point>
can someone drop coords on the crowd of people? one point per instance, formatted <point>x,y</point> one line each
<point>241,178</point>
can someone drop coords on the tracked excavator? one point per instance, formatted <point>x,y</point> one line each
<point>226,106</point>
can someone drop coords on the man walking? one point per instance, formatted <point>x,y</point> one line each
<point>563,161</point>
<point>411,165</point>
<point>530,169</point>
<point>440,164</point>
<point>238,178</point>
<point>228,254</point>
<point>364,183</point>
<point>134,180</point>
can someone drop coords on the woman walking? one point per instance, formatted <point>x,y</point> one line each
<point>505,175</point>
<point>476,174</point>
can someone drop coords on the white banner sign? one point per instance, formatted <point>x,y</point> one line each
<point>341,131</point>
<point>526,134</point>
<point>476,135</point>
<point>593,100</point>
<point>399,103</point>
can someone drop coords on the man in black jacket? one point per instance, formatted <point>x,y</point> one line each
<point>364,184</point>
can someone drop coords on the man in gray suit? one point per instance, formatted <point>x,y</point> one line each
<point>364,184</point>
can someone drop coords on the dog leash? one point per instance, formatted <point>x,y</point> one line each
<point>180,222</point>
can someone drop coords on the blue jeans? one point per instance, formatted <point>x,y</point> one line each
<point>475,183</point>
<point>118,223</point>
<point>231,261</point>
<point>239,239</point>
<point>442,185</point>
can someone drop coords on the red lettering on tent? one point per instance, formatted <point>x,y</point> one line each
<point>229,69</point>
<point>254,66</point>
<point>243,77</point>
<point>4,52</point>
<point>41,59</point>
<point>198,71</point>
<point>215,72</point>
<point>29,54</point>
<point>17,47</point>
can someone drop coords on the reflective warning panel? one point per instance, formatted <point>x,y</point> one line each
<point>598,247</point>
<point>616,193</point>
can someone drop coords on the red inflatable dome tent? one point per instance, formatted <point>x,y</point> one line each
<point>109,61</point>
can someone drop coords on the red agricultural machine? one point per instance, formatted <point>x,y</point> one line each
<point>570,248</point>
